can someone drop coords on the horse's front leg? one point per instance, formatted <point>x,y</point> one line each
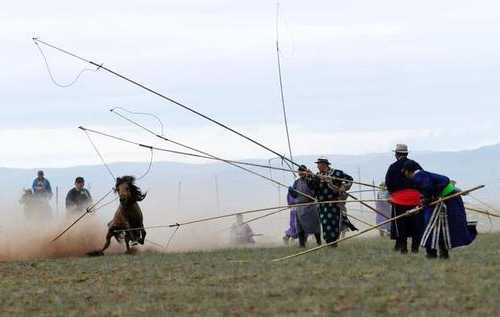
<point>109,235</point>
<point>108,241</point>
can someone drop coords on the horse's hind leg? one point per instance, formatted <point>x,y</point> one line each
<point>127,244</point>
<point>142,237</point>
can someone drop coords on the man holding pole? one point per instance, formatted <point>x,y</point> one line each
<point>403,197</point>
<point>446,223</point>
<point>307,216</point>
<point>78,198</point>
<point>330,184</point>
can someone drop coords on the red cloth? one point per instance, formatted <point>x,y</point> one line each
<point>406,197</point>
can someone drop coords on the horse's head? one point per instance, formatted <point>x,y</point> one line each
<point>128,192</point>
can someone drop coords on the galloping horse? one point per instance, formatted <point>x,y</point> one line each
<point>127,223</point>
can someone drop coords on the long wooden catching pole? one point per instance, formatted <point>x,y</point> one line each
<point>484,212</point>
<point>212,157</point>
<point>367,206</point>
<point>409,212</point>
<point>264,209</point>
<point>364,222</point>
<point>282,207</point>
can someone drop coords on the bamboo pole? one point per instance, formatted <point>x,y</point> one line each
<point>409,212</point>
<point>264,216</point>
<point>285,207</point>
<point>364,222</point>
<point>255,219</point>
<point>211,157</point>
<point>363,202</point>
<point>484,212</point>
<point>265,209</point>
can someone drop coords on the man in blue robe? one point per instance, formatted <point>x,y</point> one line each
<point>446,222</point>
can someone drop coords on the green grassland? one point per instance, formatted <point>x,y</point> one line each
<point>360,278</point>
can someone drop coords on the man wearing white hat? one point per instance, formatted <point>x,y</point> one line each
<point>403,197</point>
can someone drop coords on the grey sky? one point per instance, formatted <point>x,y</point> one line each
<point>359,75</point>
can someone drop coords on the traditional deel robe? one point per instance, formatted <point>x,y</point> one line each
<point>292,231</point>
<point>384,207</point>
<point>404,197</point>
<point>331,218</point>
<point>307,216</point>
<point>344,180</point>
<point>445,221</point>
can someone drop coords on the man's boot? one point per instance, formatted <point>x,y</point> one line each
<point>302,239</point>
<point>404,246</point>
<point>443,254</point>
<point>318,238</point>
<point>415,245</point>
<point>397,246</point>
<point>431,253</point>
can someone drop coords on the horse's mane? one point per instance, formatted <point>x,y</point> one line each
<point>135,192</point>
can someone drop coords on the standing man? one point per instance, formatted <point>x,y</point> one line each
<point>446,222</point>
<point>307,216</point>
<point>78,198</point>
<point>330,184</point>
<point>403,197</point>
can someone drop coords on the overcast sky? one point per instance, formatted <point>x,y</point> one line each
<point>359,76</point>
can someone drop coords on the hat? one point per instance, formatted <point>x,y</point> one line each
<point>302,168</point>
<point>401,148</point>
<point>410,166</point>
<point>323,160</point>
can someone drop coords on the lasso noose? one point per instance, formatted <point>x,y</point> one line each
<point>51,75</point>
<point>144,114</point>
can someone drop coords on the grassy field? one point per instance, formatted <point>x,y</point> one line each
<point>362,277</point>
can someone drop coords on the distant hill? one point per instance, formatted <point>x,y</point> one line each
<point>239,190</point>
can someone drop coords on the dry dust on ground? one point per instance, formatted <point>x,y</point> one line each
<point>33,240</point>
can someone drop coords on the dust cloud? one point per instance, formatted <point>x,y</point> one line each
<point>29,239</point>
<point>24,239</point>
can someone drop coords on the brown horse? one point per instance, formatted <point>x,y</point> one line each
<point>127,223</point>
